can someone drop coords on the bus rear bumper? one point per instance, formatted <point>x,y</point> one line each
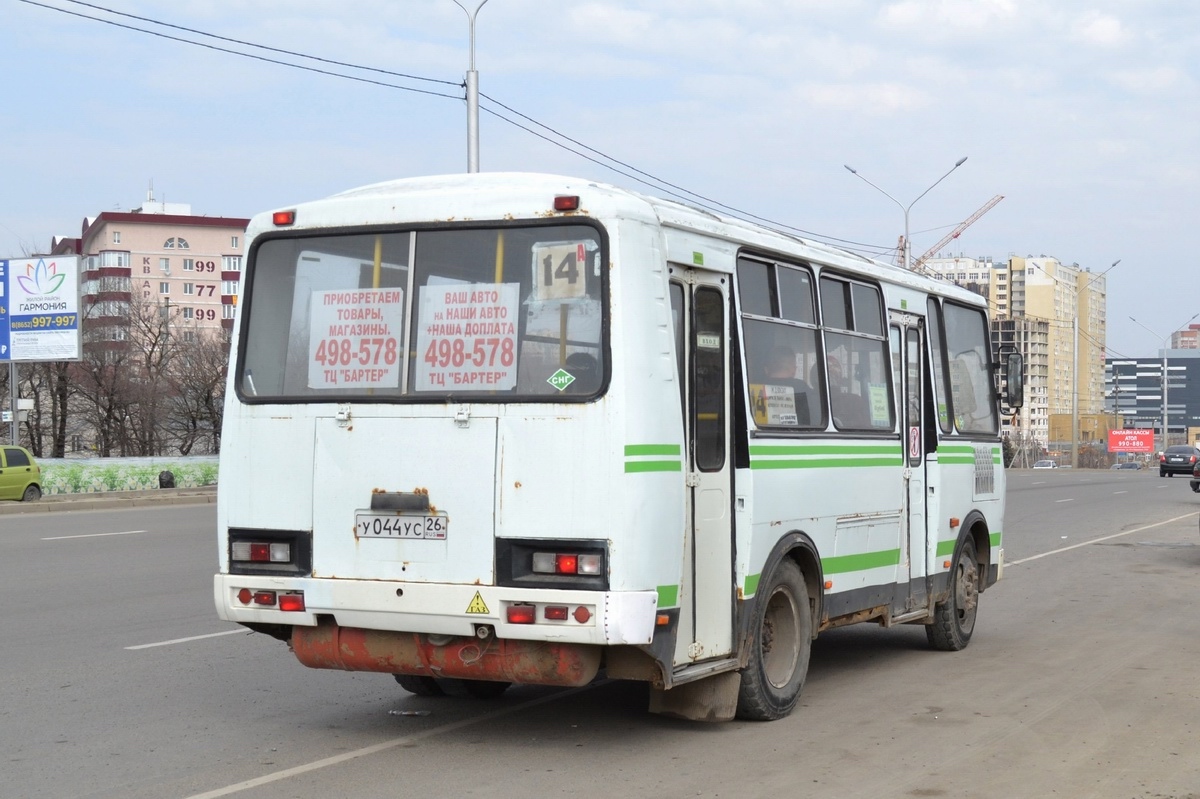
<point>595,618</point>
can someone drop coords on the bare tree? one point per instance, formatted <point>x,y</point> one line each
<point>197,380</point>
<point>48,384</point>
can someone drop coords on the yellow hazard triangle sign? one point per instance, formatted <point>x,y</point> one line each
<point>477,605</point>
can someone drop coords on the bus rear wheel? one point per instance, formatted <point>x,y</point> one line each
<point>780,647</point>
<point>419,685</point>
<point>954,619</point>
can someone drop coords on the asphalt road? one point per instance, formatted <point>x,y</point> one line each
<point>117,680</point>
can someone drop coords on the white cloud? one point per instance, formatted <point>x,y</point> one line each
<point>1100,29</point>
<point>1152,80</point>
<point>959,16</point>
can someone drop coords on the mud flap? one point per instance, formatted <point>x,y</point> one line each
<point>711,699</point>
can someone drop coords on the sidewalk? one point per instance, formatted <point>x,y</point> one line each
<point>109,500</point>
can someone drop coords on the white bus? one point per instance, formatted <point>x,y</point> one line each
<point>508,428</point>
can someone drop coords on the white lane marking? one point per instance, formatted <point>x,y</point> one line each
<point>1072,499</point>
<point>92,535</point>
<point>1120,492</point>
<point>383,746</point>
<point>1098,540</point>
<point>185,640</point>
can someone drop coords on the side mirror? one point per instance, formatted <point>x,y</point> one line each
<point>1014,374</point>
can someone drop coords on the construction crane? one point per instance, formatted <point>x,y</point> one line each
<point>918,265</point>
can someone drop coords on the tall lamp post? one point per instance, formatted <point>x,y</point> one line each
<point>902,206</point>
<point>1165,381</point>
<point>1075,366</point>
<point>472,93</point>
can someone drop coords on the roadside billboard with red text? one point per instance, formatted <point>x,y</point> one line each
<point>1130,440</point>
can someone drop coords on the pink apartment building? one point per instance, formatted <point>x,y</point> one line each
<point>160,254</point>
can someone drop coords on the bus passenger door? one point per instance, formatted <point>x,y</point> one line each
<point>908,335</point>
<point>700,301</point>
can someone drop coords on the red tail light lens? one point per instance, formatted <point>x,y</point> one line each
<point>293,603</point>
<point>522,613</point>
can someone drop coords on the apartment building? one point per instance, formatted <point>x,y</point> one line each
<point>1043,307</point>
<point>158,254</point>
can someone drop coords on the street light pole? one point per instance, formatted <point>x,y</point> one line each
<point>1075,367</point>
<point>905,208</point>
<point>472,93</point>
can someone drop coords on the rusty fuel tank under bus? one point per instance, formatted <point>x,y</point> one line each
<point>329,646</point>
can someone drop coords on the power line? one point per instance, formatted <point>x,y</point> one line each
<point>238,52</point>
<point>626,170</point>
<point>258,46</point>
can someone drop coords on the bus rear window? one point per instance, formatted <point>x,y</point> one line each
<point>481,314</point>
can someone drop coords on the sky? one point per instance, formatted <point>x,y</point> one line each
<point>1084,116</point>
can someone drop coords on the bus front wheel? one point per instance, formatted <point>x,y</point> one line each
<point>954,618</point>
<point>779,649</point>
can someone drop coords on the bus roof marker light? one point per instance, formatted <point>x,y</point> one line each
<point>283,218</point>
<point>566,202</point>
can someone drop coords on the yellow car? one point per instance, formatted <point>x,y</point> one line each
<point>20,476</point>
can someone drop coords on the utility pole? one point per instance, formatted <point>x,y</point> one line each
<point>472,93</point>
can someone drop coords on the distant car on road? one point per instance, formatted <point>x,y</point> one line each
<point>1045,465</point>
<point>1128,465</point>
<point>20,475</point>
<point>1178,459</point>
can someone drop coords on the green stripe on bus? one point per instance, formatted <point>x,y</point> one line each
<point>827,449</point>
<point>668,596</point>
<point>823,463</point>
<point>946,547</point>
<point>752,585</point>
<point>653,466</point>
<point>843,564</point>
<point>652,449</point>
<point>969,460</point>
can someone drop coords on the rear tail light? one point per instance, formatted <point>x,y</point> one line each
<point>261,551</point>
<point>590,563</point>
<point>291,602</point>
<point>527,613</point>
<point>522,613</point>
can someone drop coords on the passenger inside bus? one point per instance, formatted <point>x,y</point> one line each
<point>849,409</point>
<point>781,371</point>
<point>586,371</point>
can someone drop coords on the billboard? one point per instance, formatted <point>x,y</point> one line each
<point>39,309</point>
<point>1131,441</point>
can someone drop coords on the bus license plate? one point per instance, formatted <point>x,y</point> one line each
<point>394,525</point>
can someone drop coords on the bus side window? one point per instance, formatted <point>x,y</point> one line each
<point>680,350</point>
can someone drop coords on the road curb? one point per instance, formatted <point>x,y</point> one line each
<point>113,500</point>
